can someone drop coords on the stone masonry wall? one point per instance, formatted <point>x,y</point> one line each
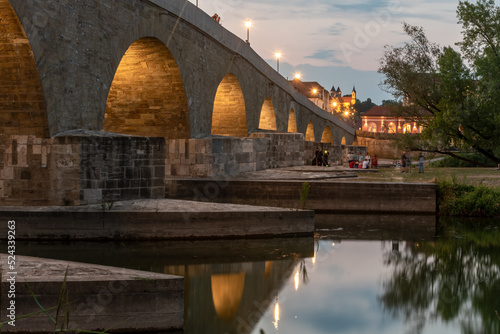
<point>284,150</point>
<point>35,171</point>
<point>222,156</point>
<point>381,145</point>
<point>188,157</point>
<point>120,168</point>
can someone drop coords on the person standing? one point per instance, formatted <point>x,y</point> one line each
<point>421,163</point>
<point>375,161</point>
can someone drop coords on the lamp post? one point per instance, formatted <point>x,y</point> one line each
<point>248,24</point>
<point>278,55</point>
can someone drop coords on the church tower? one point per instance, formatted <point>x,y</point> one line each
<point>353,96</point>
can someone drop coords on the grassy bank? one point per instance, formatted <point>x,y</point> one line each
<point>467,192</point>
<point>489,177</point>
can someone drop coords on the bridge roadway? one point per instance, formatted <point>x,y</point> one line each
<point>103,99</point>
<point>90,54</point>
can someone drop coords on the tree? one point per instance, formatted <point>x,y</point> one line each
<point>390,102</point>
<point>362,107</point>
<point>455,96</point>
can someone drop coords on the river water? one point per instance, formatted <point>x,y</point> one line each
<point>357,275</point>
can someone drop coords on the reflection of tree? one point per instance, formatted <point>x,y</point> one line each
<point>456,278</point>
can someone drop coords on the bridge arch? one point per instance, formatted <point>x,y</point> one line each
<point>147,95</point>
<point>327,136</point>
<point>23,106</point>
<point>292,122</point>
<point>267,116</point>
<point>229,114</point>
<point>310,132</point>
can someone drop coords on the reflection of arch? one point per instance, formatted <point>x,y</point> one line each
<point>327,136</point>
<point>267,118</point>
<point>147,96</point>
<point>268,268</point>
<point>310,132</point>
<point>372,127</point>
<point>292,122</point>
<point>23,108</point>
<point>227,290</point>
<point>229,115</point>
<point>392,128</point>
<point>343,142</point>
<point>407,128</point>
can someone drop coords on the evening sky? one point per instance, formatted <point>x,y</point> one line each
<point>334,42</point>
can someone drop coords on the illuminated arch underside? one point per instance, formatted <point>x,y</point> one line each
<point>147,96</point>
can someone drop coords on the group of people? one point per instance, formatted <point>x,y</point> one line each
<point>320,158</point>
<point>358,160</point>
<point>406,163</point>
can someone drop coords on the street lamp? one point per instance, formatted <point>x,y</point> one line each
<point>297,76</point>
<point>248,24</point>
<point>278,55</point>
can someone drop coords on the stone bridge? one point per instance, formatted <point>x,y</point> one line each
<point>103,99</point>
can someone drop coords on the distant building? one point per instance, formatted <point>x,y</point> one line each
<point>332,101</point>
<point>379,119</point>
<point>342,103</point>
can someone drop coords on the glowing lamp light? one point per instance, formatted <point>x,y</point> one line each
<point>334,104</point>
<point>346,113</point>
<point>248,24</point>
<point>276,314</point>
<point>298,76</point>
<point>315,91</point>
<point>278,55</point>
<point>314,258</point>
<point>296,279</point>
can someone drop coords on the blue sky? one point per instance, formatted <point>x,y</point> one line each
<point>334,42</point>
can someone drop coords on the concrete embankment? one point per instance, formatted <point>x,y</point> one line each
<point>98,297</point>
<point>156,220</point>
<point>324,195</point>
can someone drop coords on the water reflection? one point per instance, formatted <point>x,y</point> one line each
<point>443,280</point>
<point>455,279</point>
<point>231,298</point>
<point>450,284</point>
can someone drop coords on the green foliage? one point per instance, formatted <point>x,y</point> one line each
<point>107,205</point>
<point>454,95</point>
<point>454,162</point>
<point>304,192</point>
<point>362,107</point>
<point>460,199</point>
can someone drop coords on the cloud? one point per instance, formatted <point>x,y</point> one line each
<point>335,30</point>
<point>329,55</point>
